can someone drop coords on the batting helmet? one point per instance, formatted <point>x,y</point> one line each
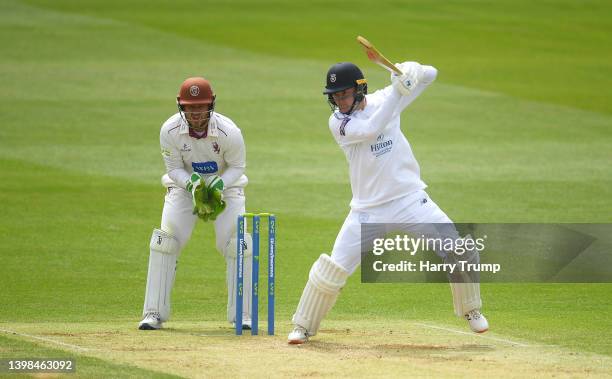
<point>342,76</point>
<point>196,91</point>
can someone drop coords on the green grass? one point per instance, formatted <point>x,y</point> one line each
<point>552,51</point>
<point>85,367</point>
<point>516,129</point>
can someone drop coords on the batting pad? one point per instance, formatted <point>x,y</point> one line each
<point>230,259</point>
<point>465,288</point>
<point>162,270</point>
<point>325,281</point>
<point>466,297</point>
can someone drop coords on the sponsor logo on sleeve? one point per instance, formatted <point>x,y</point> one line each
<point>209,167</point>
<point>165,152</point>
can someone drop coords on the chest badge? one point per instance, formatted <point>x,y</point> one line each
<point>216,147</point>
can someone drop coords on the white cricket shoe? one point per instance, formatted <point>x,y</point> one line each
<point>298,336</point>
<point>151,321</point>
<point>478,322</point>
<point>246,323</point>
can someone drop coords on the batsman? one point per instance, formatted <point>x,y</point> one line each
<point>205,159</point>
<point>386,186</point>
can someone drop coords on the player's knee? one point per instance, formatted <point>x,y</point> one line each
<point>229,249</point>
<point>164,242</point>
<point>327,275</point>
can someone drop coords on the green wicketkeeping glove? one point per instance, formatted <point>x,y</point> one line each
<point>214,183</point>
<point>218,208</point>
<point>200,196</point>
<point>215,187</point>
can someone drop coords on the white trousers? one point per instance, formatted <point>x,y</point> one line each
<point>415,211</point>
<point>178,220</point>
<point>417,214</point>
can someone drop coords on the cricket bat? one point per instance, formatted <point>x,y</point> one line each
<point>375,56</point>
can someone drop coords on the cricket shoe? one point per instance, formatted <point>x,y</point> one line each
<point>298,336</point>
<point>246,324</point>
<point>478,322</point>
<point>151,321</point>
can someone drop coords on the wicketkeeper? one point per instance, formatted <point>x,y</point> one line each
<point>205,159</point>
<point>386,185</point>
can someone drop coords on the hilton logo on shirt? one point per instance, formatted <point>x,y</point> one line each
<point>381,146</point>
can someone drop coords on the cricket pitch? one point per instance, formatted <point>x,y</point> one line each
<point>342,349</point>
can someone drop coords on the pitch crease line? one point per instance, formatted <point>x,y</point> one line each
<point>46,340</point>
<point>473,334</point>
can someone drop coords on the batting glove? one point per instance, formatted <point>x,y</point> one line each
<point>409,80</point>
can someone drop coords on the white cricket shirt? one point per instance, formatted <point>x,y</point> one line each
<point>221,151</point>
<point>382,166</point>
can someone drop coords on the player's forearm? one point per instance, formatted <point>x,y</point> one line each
<point>179,176</point>
<point>231,175</point>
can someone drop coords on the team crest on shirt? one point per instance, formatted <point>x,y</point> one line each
<point>216,147</point>
<point>185,148</point>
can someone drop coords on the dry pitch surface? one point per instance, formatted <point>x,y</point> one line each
<point>342,349</point>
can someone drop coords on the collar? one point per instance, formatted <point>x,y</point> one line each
<point>211,130</point>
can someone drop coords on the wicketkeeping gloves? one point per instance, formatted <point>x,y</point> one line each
<point>200,197</point>
<point>406,83</point>
<point>214,184</point>
<point>207,195</point>
<point>215,187</point>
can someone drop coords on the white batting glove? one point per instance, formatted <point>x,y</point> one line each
<point>406,83</point>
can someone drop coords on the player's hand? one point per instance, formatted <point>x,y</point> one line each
<point>214,183</point>
<point>200,197</point>
<point>412,75</point>
<point>215,187</point>
<point>218,208</point>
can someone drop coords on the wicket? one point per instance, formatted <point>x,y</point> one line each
<point>255,271</point>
